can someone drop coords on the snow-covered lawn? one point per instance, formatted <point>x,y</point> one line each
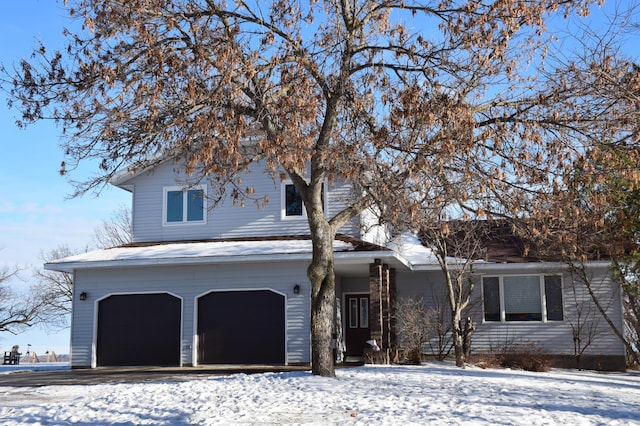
<point>434,393</point>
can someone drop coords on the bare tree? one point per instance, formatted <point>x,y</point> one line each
<point>55,289</point>
<point>457,246</point>
<point>627,274</point>
<point>441,343</point>
<point>595,216</point>
<point>584,319</point>
<point>415,325</point>
<point>17,311</point>
<point>389,95</point>
<point>114,231</point>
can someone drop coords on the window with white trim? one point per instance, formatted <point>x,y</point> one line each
<point>184,205</point>
<point>292,206</point>
<point>522,298</point>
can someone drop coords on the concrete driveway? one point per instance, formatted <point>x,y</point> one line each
<point>37,378</point>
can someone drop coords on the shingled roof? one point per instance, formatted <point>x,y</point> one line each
<point>498,242</point>
<point>357,244</point>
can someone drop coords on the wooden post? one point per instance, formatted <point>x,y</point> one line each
<point>382,301</point>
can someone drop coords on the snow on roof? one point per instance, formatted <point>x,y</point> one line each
<point>409,247</point>
<point>420,257</point>
<point>177,252</point>
<point>200,249</point>
<point>405,249</point>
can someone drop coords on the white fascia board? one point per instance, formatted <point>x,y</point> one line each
<point>339,257</point>
<point>389,257</point>
<point>125,263</point>
<point>503,267</point>
<point>530,266</point>
<point>123,176</point>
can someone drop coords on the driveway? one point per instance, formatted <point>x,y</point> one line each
<point>37,378</point>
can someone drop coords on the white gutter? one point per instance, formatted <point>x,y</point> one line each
<point>341,258</point>
<point>483,266</point>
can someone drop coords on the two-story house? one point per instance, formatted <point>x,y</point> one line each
<point>226,284</point>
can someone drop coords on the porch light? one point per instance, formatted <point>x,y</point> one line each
<point>296,289</point>
<point>83,295</point>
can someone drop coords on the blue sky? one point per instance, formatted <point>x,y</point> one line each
<point>35,215</point>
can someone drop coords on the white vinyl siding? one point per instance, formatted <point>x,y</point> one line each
<point>187,283</point>
<point>553,336</point>
<point>224,219</point>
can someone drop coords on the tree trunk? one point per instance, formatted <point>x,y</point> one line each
<point>453,292</point>
<point>323,295</point>
<point>455,320</point>
<point>458,346</point>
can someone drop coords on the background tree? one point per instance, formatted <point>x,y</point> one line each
<point>55,289</point>
<point>596,214</point>
<point>388,95</point>
<point>115,231</point>
<point>628,275</point>
<point>16,311</point>
<point>457,246</point>
<point>440,343</point>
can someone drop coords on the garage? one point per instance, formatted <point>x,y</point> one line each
<point>139,329</point>
<point>241,327</point>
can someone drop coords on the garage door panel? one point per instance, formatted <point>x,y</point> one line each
<point>241,327</point>
<point>139,329</point>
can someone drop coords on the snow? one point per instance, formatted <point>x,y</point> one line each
<point>410,247</point>
<point>29,366</point>
<point>406,245</point>
<point>435,393</point>
<point>200,249</point>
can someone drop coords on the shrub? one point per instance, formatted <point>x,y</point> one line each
<point>415,324</point>
<point>524,356</point>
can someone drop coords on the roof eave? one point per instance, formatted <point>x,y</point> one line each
<point>345,257</point>
<point>483,266</point>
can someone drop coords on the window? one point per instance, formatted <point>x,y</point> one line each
<point>358,312</point>
<point>364,312</point>
<point>523,298</point>
<point>292,201</point>
<point>292,205</point>
<point>184,205</point>
<point>353,313</point>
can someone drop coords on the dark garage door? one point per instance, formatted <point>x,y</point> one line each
<point>139,329</point>
<point>241,327</point>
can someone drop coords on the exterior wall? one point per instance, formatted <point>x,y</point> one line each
<point>372,230</point>
<point>555,337</point>
<point>189,282</point>
<point>352,285</point>
<point>223,220</point>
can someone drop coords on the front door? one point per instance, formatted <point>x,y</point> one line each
<point>357,323</point>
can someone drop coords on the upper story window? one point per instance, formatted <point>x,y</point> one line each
<point>292,201</point>
<point>523,298</point>
<point>292,205</point>
<point>184,205</point>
